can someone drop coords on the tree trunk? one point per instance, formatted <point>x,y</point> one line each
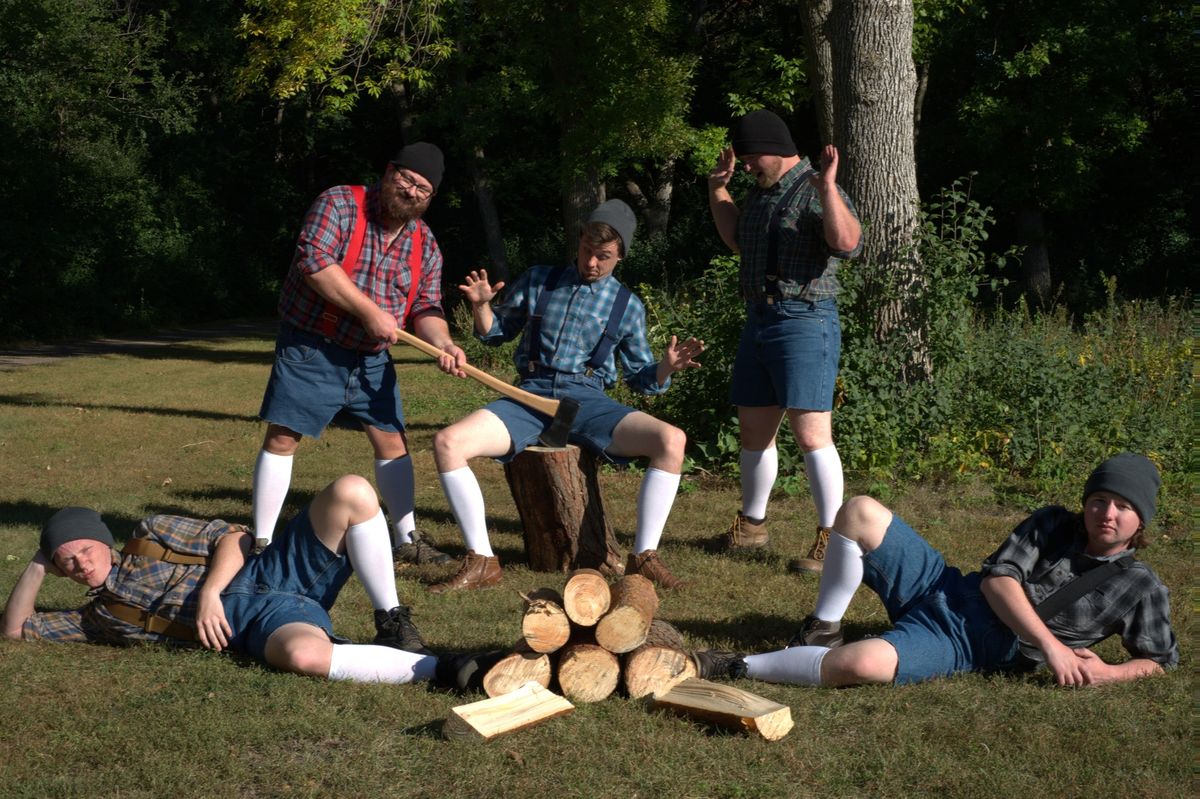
<point>580,197</point>
<point>489,217</point>
<point>557,493</point>
<point>820,64</point>
<point>874,98</point>
<point>1035,260</point>
<point>654,205</point>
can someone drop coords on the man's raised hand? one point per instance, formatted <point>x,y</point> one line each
<point>477,289</point>
<point>722,171</point>
<point>682,354</point>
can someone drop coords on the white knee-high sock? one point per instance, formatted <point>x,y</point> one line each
<point>824,469</point>
<point>840,577</point>
<point>370,663</point>
<point>466,500</point>
<point>655,499</point>
<point>370,553</point>
<point>759,470</point>
<point>800,665</point>
<point>272,478</point>
<point>396,484</point>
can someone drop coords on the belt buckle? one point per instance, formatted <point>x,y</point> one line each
<point>770,299</point>
<point>588,372</point>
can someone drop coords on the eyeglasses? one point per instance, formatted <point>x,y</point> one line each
<point>410,185</point>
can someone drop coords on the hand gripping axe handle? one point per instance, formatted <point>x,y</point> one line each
<point>561,412</point>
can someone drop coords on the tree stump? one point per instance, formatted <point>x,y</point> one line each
<point>557,494</point>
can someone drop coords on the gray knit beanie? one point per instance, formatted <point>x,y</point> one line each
<point>73,524</point>
<point>619,216</point>
<point>1134,477</point>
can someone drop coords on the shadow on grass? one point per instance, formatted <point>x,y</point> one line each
<point>756,632</point>
<point>38,401</point>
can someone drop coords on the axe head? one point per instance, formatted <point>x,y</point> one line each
<point>555,435</point>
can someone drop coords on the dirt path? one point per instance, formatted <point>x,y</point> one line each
<point>36,354</point>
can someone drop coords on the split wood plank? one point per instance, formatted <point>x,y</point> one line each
<point>728,707</point>
<point>528,705</point>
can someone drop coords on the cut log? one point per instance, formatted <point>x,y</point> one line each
<point>655,670</point>
<point>586,597</point>
<point>513,671</point>
<point>557,494</point>
<point>587,672</point>
<point>626,624</point>
<point>524,707</point>
<point>545,625</point>
<point>726,706</point>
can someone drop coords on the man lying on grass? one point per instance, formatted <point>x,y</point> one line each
<point>188,581</point>
<point>1023,610</point>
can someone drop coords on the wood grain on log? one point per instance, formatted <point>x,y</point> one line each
<point>627,622</point>
<point>728,707</point>
<point>586,597</point>
<point>545,625</point>
<point>516,669</point>
<point>587,672</point>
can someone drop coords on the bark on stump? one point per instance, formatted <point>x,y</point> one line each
<point>558,497</point>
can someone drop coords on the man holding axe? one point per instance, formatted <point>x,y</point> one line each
<point>365,266</point>
<point>576,323</point>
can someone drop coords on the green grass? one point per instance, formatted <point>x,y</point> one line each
<point>175,429</point>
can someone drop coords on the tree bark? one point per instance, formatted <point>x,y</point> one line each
<point>581,195</point>
<point>655,204</point>
<point>1035,260</point>
<point>820,64</point>
<point>557,493</point>
<point>874,87</point>
<point>489,217</point>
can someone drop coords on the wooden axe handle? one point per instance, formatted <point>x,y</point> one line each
<point>541,404</point>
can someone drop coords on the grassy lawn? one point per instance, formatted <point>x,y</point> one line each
<point>175,429</point>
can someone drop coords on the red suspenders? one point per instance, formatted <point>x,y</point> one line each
<point>329,318</point>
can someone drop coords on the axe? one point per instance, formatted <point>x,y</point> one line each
<point>561,412</point>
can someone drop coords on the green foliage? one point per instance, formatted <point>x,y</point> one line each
<point>340,49</point>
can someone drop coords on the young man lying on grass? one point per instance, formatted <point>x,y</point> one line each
<point>1002,618</point>
<point>187,581</point>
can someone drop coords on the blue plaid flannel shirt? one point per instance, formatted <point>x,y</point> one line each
<point>574,322</point>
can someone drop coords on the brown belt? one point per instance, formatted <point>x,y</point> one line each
<point>152,549</point>
<point>148,621</point>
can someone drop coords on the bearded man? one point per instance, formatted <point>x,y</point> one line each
<point>366,265</point>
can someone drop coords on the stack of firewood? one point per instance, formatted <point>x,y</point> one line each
<point>587,640</point>
<point>591,636</point>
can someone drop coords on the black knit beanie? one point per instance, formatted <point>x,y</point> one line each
<point>73,524</point>
<point>423,158</point>
<point>1134,477</point>
<point>762,133</point>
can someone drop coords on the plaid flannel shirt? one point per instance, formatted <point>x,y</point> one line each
<point>807,267</point>
<point>1046,551</point>
<point>384,275</point>
<point>572,326</point>
<point>165,589</point>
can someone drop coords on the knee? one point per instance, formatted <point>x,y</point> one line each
<point>863,519</point>
<point>447,443</point>
<point>300,655</point>
<point>872,661</point>
<point>674,442</point>
<point>355,493</point>
<point>280,440</point>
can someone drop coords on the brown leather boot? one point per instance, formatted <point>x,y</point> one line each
<point>744,535</point>
<point>476,571</point>
<point>815,561</point>
<point>650,565</point>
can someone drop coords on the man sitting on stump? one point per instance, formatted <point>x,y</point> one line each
<point>186,581</point>
<point>1061,582</point>
<point>577,322</point>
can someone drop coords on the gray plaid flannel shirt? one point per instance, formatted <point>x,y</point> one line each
<point>807,268</point>
<point>1046,551</point>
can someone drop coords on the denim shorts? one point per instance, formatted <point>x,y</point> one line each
<point>788,355</point>
<point>942,623</point>
<point>295,579</point>
<point>593,426</point>
<point>313,379</point>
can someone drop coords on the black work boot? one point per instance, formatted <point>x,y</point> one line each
<point>814,632</point>
<point>395,628</point>
<point>465,672</point>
